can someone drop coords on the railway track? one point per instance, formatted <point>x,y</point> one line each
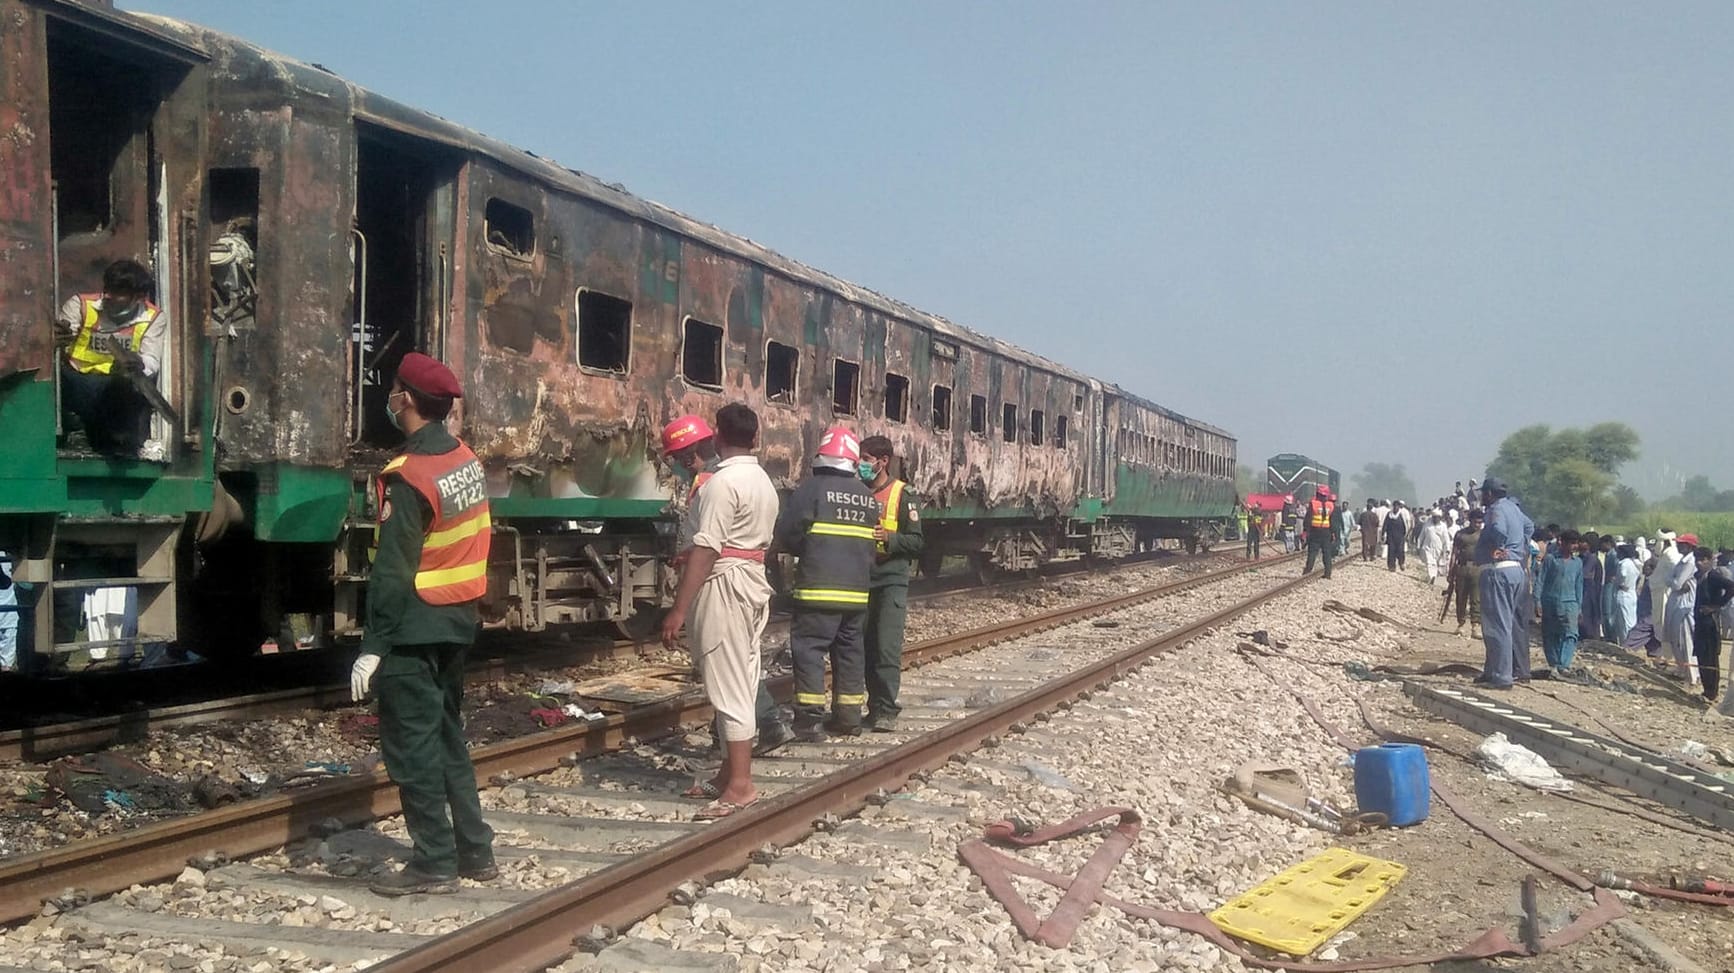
<point>954,705</point>
<point>48,740</point>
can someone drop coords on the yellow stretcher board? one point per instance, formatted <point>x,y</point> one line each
<point>1299,909</point>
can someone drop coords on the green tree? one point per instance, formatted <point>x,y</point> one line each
<point>1387,481</point>
<point>1627,504</point>
<point>1698,495</point>
<point>1567,476</point>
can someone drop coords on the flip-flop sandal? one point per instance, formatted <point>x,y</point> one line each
<point>704,790</point>
<point>719,809</point>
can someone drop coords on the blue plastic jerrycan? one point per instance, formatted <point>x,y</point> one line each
<point>1391,779</point>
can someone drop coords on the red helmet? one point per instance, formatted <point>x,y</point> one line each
<point>839,443</point>
<point>1323,493</point>
<point>684,432</point>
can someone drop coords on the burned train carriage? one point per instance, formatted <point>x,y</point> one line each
<point>345,230</point>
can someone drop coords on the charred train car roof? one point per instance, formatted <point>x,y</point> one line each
<point>264,67</point>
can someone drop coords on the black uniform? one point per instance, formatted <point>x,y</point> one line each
<point>1714,593</point>
<point>828,523</point>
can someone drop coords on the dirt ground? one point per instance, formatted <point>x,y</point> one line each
<point>1460,883</point>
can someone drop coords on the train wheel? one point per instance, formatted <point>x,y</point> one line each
<point>643,624</point>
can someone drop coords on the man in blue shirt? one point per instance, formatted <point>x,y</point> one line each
<point>1500,552</point>
<point>1562,596</point>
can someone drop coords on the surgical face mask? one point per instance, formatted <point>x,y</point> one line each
<point>867,471</point>
<point>117,309</point>
<point>683,472</point>
<point>396,417</point>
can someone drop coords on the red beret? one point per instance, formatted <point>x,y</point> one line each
<point>428,376</point>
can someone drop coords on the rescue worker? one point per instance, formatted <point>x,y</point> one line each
<point>724,588</point>
<point>429,570</point>
<point>899,545</point>
<point>690,447</point>
<point>1500,554</point>
<point>829,524</point>
<point>106,337</point>
<point>1254,533</point>
<point>1321,514</point>
<point>1289,515</point>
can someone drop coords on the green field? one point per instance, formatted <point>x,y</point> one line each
<point>1715,530</point>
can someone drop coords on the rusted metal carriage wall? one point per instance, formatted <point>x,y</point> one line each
<point>26,302</point>
<point>282,375</point>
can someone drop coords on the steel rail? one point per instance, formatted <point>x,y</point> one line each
<point>539,933</point>
<point>157,852</point>
<point>47,741</point>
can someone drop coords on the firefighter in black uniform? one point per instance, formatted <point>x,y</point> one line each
<point>828,523</point>
<point>900,543</point>
<point>1322,524</point>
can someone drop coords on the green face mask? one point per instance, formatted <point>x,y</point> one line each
<point>865,469</point>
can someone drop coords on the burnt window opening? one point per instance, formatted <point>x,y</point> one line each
<point>234,221</point>
<point>604,332</point>
<point>1061,427</point>
<point>1038,423</point>
<point>941,408</point>
<point>896,398</point>
<point>845,387</point>
<point>782,362</point>
<point>1077,402</point>
<point>978,414</point>
<point>510,229</point>
<point>1008,426</point>
<point>701,354</point>
<point>97,106</point>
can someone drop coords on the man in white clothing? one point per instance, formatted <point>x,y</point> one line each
<point>1435,548</point>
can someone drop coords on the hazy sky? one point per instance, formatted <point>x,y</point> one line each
<point>1377,231</point>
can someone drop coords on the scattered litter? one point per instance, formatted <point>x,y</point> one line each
<point>1105,623</point>
<point>1279,791</point>
<point>983,698</point>
<point>557,687</point>
<point>549,717</point>
<point>1694,750</point>
<point>118,800</point>
<point>1046,776</point>
<point>323,767</point>
<point>580,713</point>
<point>254,775</point>
<point>1517,763</point>
<point>946,702</point>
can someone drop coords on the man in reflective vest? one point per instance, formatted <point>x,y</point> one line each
<point>106,337</point>
<point>899,544</point>
<point>1321,514</point>
<point>429,571</point>
<point>829,524</point>
<point>690,446</point>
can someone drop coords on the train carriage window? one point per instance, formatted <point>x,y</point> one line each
<point>1077,402</point>
<point>510,229</point>
<point>1009,423</point>
<point>1060,427</point>
<point>845,387</point>
<point>978,414</point>
<point>604,332</point>
<point>781,364</point>
<point>941,408</point>
<point>701,354</point>
<point>1038,424</point>
<point>896,398</point>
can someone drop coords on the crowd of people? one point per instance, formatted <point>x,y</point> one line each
<point>1669,597</point>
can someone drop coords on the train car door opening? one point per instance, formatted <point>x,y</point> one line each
<point>110,175</point>
<point>403,266</point>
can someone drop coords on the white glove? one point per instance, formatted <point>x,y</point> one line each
<point>362,675</point>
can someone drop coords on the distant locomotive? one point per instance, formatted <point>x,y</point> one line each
<point>306,234</point>
<point>1299,476</point>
